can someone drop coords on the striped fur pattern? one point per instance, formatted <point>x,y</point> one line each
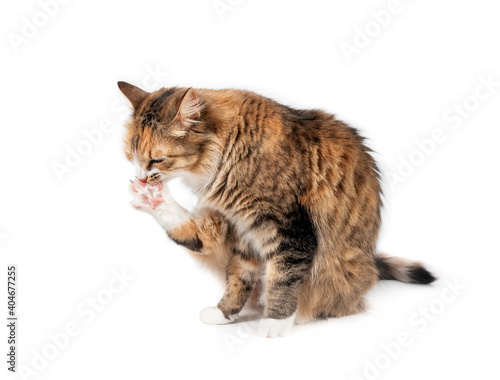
<point>289,199</point>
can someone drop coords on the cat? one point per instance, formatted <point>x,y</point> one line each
<point>290,200</point>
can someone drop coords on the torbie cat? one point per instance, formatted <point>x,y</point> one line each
<point>289,201</point>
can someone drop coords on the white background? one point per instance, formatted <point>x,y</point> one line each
<point>67,236</point>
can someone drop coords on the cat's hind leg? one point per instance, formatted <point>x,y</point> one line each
<point>337,284</point>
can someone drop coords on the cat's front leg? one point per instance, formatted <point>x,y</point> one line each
<point>285,272</point>
<point>241,277</point>
<point>157,201</point>
<point>204,232</point>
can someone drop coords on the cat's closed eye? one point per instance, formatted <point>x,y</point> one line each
<point>152,162</point>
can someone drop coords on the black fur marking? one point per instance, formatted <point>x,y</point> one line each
<point>416,274</point>
<point>322,316</point>
<point>247,285</point>
<point>154,110</point>
<point>384,269</point>
<point>244,255</point>
<point>294,259</point>
<point>292,262</point>
<point>195,244</point>
<point>299,235</point>
<point>420,275</point>
<point>157,103</point>
<point>291,280</point>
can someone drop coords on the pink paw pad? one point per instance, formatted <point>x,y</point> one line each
<point>146,196</point>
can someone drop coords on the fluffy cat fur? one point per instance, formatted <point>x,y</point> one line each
<point>289,201</point>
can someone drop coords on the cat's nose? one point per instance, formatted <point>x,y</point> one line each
<point>143,180</point>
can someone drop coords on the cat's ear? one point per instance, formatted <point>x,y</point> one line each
<point>189,109</point>
<point>134,94</point>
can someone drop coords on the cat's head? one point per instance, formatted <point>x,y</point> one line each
<point>167,135</point>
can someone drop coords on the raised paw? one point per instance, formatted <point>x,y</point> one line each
<point>147,197</point>
<point>214,316</point>
<point>272,328</point>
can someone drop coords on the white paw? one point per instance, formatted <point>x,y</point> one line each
<point>272,328</point>
<point>147,197</point>
<point>213,316</point>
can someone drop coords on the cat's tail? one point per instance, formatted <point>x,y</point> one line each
<point>396,268</point>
